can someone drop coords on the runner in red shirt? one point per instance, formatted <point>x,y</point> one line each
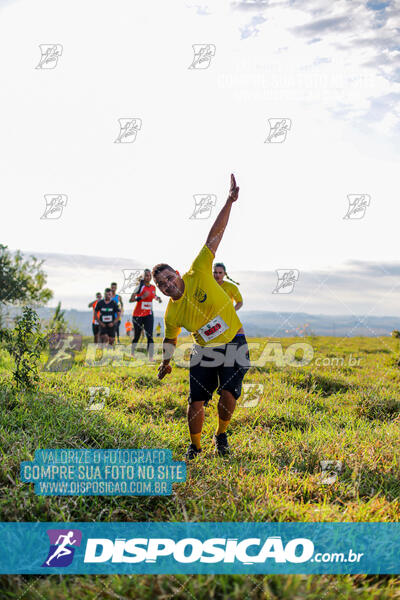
<point>95,323</point>
<point>142,317</point>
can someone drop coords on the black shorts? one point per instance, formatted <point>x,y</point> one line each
<point>95,328</point>
<point>221,367</point>
<point>110,331</point>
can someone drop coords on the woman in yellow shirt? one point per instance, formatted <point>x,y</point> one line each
<point>229,287</point>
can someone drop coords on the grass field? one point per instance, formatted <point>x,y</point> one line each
<point>344,406</point>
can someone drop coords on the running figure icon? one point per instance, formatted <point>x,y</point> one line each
<point>62,549</point>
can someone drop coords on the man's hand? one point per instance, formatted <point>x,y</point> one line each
<point>163,370</point>
<point>234,190</point>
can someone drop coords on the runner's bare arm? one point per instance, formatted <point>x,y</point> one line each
<point>169,346</point>
<point>238,305</point>
<point>217,230</point>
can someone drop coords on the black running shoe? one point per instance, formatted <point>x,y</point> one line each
<point>192,452</point>
<point>221,444</point>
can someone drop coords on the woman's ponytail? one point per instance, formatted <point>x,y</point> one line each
<point>230,279</point>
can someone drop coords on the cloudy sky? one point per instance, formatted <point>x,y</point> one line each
<point>330,71</point>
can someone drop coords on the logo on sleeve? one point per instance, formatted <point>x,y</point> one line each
<point>200,295</point>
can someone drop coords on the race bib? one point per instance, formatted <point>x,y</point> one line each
<point>146,305</point>
<point>212,329</point>
<point>107,318</point>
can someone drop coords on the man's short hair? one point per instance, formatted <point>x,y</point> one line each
<point>113,283</point>
<point>161,267</point>
<point>107,290</point>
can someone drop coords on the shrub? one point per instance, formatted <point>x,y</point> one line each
<point>25,343</point>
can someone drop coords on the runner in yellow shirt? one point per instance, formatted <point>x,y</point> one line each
<point>220,356</point>
<point>229,287</point>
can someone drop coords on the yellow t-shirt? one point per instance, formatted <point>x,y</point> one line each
<point>203,306</point>
<point>232,290</point>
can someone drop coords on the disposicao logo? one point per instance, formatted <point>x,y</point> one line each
<point>62,546</point>
<point>190,550</point>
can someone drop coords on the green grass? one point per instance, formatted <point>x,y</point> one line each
<point>342,411</point>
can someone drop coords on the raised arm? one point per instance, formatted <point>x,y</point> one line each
<point>217,230</point>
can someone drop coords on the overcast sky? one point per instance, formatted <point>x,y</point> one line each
<point>331,69</point>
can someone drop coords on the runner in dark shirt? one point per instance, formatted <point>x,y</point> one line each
<point>108,314</point>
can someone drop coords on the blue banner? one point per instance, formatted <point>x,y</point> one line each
<point>218,548</point>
